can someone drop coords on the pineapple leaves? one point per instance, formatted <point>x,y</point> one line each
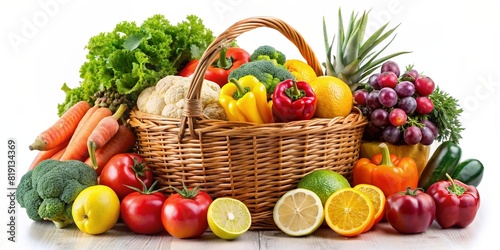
<point>378,62</point>
<point>375,39</point>
<point>372,64</point>
<point>341,36</point>
<point>328,46</point>
<point>361,25</point>
<point>354,59</point>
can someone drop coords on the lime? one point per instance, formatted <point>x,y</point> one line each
<point>323,182</point>
<point>228,218</point>
<point>298,212</point>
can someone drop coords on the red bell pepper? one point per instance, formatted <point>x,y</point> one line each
<point>456,203</point>
<point>410,212</point>
<point>293,101</point>
<point>228,60</point>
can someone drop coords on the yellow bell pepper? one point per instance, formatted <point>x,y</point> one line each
<point>245,100</point>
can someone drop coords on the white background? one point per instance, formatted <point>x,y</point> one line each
<point>457,43</point>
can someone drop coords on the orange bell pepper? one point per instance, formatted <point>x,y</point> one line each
<point>386,171</point>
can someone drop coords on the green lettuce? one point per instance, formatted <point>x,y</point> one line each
<point>133,57</point>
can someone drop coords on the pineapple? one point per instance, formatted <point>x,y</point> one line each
<point>355,59</point>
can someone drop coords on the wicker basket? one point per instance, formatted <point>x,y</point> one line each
<point>254,163</point>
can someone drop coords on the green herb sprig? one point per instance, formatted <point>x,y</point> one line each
<point>446,116</point>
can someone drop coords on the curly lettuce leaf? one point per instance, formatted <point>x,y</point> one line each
<point>131,57</point>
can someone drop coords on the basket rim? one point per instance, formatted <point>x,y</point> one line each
<point>139,119</point>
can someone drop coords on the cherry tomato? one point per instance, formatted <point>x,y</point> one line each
<point>141,211</point>
<point>125,169</point>
<point>410,212</point>
<point>184,214</point>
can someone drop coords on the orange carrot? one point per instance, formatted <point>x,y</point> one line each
<point>58,155</point>
<point>121,142</point>
<point>77,149</point>
<point>82,122</point>
<point>62,130</point>
<point>104,131</point>
<point>43,155</point>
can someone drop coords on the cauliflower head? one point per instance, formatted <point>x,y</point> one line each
<point>166,98</point>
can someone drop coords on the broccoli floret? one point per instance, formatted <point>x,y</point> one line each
<point>42,168</point>
<point>27,197</point>
<point>71,189</point>
<point>267,72</point>
<point>50,186</point>
<point>48,191</point>
<point>269,53</point>
<point>55,210</point>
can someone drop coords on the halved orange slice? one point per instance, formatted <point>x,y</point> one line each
<point>349,212</point>
<point>377,198</point>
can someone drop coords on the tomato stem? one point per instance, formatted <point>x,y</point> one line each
<point>185,192</point>
<point>145,189</point>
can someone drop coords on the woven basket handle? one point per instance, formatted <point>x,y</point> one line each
<point>193,107</point>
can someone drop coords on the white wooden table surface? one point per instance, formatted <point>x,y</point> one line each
<point>44,235</point>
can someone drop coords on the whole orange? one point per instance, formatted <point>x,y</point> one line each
<point>334,97</point>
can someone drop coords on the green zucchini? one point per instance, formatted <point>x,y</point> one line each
<point>444,160</point>
<point>469,172</point>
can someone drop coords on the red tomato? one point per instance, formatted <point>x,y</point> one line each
<point>184,214</point>
<point>141,211</point>
<point>125,169</point>
<point>410,212</point>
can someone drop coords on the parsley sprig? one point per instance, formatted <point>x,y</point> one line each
<point>446,116</point>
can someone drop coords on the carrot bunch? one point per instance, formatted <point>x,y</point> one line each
<point>89,134</point>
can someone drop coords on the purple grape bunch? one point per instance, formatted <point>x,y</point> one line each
<point>396,106</point>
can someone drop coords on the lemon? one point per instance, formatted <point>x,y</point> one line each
<point>323,182</point>
<point>228,218</point>
<point>334,97</point>
<point>298,212</point>
<point>301,70</point>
